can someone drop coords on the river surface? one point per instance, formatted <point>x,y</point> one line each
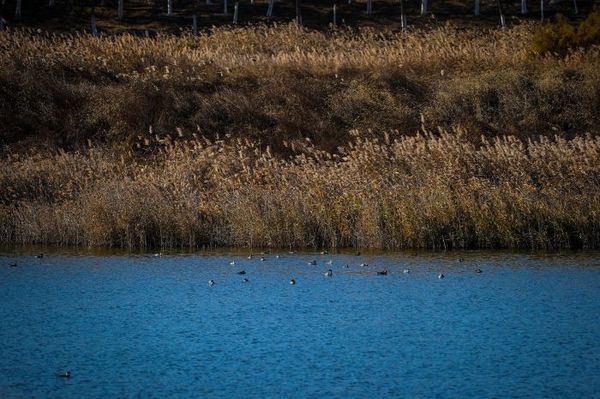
<point>527,326</point>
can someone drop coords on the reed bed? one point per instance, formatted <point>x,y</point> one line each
<point>426,191</point>
<point>283,137</point>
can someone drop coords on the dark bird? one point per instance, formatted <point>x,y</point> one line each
<point>383,273</point>
<point>211,282</point>
<point>13,265</point>
<point>329,273</point>
<point>364,264</point>
<point>66,374</point>
<point>347,266</point>
<point>478,271</point>
<point>245,280</point>
<point>262,259</point>
<point>40,256</point>
<point>242,272</point>
<point>441,276</point>
<point>312,262</point>
<point>292,281</point>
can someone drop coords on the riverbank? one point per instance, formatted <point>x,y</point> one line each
<point>279,137</point>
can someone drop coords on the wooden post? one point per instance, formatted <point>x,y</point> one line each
<point>235,13</point>
<point>369,7</point>
<point>334,15</point>
<point>225,7</point>
<point>524,7</point>
<point>542,10</point>
<point>94,29</point>
<point>194,25</point>
<point>18,10</point>
<point>298,14</point>
<point>424,7</point>
<point>502,22</point>
<point>120,11</point>
<point>270,8</point>
<point>169,7</point>
<point>476,11</point>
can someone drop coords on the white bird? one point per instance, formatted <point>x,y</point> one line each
<point>211,282</point>
<point>406,271</point>
<point>232,263</point>
<point>329,273</point>
<point>292,282</point>
<point>330,262</point>
<point>364,265</point>
<point>441,276</point>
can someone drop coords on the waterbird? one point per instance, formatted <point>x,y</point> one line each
<point>276,256</point>
<point>478,271</point>
<point>312,262</point>
<point>232,263</point>
<point>406,271</point>
<point>441,276</point>
<point>158,255</point>
<point>329,273</point>
<point>347,266</point>
<point>364,265</point>
<point>211,282</point>
<point>292,281</point>
<point>250,256</point>
<point>242,272</point>
<point>461,259</point>
<point>40,256</point>
<point>13,265</point>
<point>324,252</point>
<point>245,280</point>
<point>262,259</point>
<point>330,262</point>
<point>66,374</point>
<point>383,273</point>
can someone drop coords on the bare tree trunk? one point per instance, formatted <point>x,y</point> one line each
<point>298,14</point>
<point>369,7</point>
<point>402,15</point>
<point>93,24</point>
<point>502,22</point>
<point>169,7</point>
<point>524,10</point>
<point>195,25</point>
<point>542,10</point>
<point>575,6</point>
<point>1,24</point>
<point>424,4</point>
<point>270,8</point>
<point>50,3</point>
<point>18,10</point>
<point>334,16</point>
<point>476,11</point>
<point>225,7</point>
<point>235,13</point>
<point>120,11</point>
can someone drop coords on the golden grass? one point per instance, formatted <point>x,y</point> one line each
<point>435,191</point>
<point>280,137</point>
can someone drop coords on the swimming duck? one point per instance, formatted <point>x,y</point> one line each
<point>441,276</point>
<point>245,280</point>
<point>250,256</point>
<point>66,374</point>
<point>232,263</point>
<point>13,265</point>
<point>211,282</point>
<point>292,281</point>
<point>364,264</point>
<point>324,252</point>
<point>40,256</point>
<point>276,256</point>
<point>347,266</point>
<point>329,273</point>
<point>406,271</point>
<point>478,271</point>
<point>242,272</point>
<point>312,262</point>
<point>383,273</point>
<point>461,259</point>
<point>262,259</point>
<point>330,262</point>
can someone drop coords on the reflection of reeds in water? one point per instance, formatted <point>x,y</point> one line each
<point>426,191</point>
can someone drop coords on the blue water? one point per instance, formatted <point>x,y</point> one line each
<point>135,326</point>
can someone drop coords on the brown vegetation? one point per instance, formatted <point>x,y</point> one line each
<point>182,141</point>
